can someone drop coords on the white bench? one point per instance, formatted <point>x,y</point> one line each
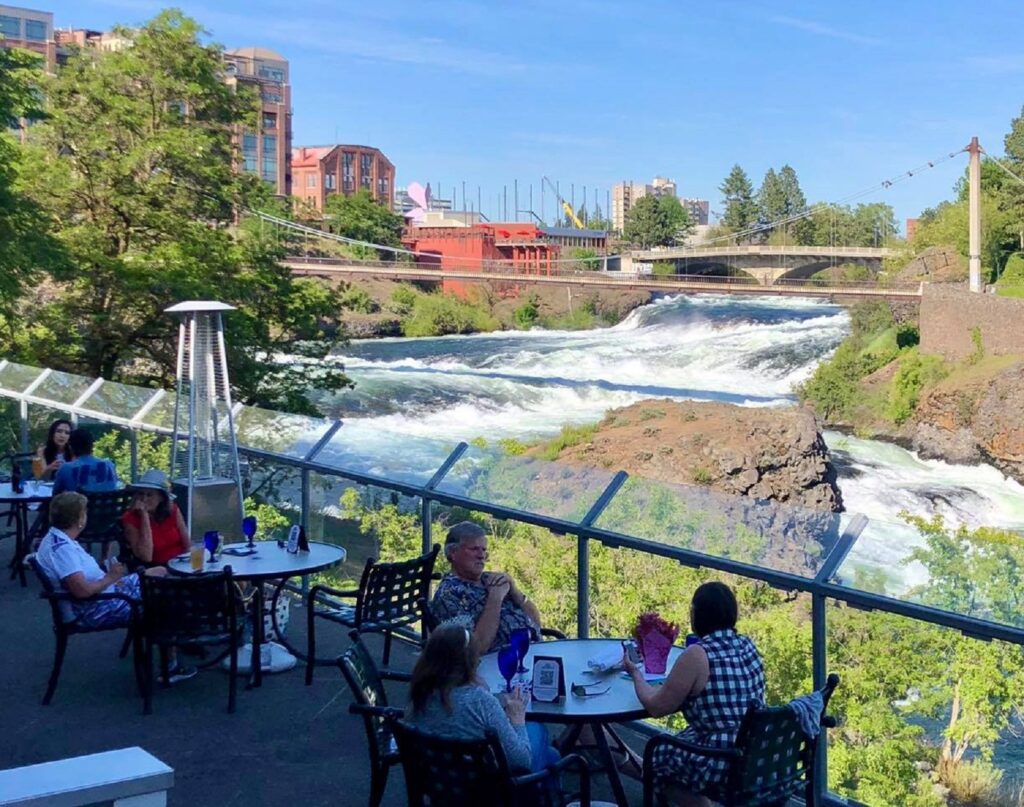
<point>128,777</point>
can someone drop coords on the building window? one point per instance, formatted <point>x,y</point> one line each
<point>272,73</point>
<point>10,27</point>
<point>270,144</point>
<point>329,183</point>
<point>35,30</point>
<point>310,180</point>
<point>365,170</point>
<point>249,153</point>
<point>269,121</point>
<point>269,172</point>
<point>271,97</point>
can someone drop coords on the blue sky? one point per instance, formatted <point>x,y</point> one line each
<point>591,92</point>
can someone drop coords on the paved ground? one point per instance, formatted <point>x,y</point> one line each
<point>286,744</point>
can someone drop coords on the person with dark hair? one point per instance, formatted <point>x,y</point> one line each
<point>492,600</point>
<point>154,526</point>
<point>85,472</point>
<point>51,456</point>
<point>447,698</point>
<point>714,682</point>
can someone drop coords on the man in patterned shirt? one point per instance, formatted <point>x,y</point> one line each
<point>491,599</point>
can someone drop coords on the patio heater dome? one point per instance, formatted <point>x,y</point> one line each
<point>204,455</point>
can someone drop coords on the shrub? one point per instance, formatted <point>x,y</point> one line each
<point>915,373</point>
<point>570,436</point>
<point>1013,272</point>
<point>973,781</point>
<point>403,298</point>
<point>833,388</point>
<point>526,316</point>
<point>664,269</point>
<point>701,475</point>
<point>356,298</point>
<point>586,259</point>
<point>439,314</point>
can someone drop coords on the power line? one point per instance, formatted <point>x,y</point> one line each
<point>999,162</point>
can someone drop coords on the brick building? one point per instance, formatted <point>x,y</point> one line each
<point>318,171</point>
<point>30,30</point>
<point>265,150</point>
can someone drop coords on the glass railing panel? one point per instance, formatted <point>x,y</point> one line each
<point>39,420</point>
<point>62,388</point>
<point>402,457</point>
<point>977,573</point>
<point>118,400</point>
<point>10,426</point>
<point>17,377</point>
<point>519,481</point>
<point>279,432</point>
<point>760,533</point>
<point>161,414</point>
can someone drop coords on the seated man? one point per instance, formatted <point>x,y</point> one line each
<point>491,599</point>
<point>85,472</point>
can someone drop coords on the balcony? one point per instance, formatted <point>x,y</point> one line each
<point>821,593</point>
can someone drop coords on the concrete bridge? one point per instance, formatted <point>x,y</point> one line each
<point>767,264</point>
<point>706,284</point>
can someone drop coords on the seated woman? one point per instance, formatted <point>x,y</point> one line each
<point>55,453</point>
<point>446,697</point>
<point>153,525</point>
<point>714,682</point>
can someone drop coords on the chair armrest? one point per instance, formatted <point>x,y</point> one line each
<point>68,597</point>
<point>394,675</point>
<point>553,633</point>
<point>568,761</point>
<point>334,592</point>
<point>696,748</point>
<point>389,712</point>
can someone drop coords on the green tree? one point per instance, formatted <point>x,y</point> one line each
<point>360,217</point>
<point>597,220</point>
<point>771,199</point>
<point>134,164</point>
<point>678,218</point>
<point>24,227</point>
<point>738,200</point>
<point>647,224</point>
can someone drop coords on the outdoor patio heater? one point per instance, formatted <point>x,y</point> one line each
<point>205,475</point>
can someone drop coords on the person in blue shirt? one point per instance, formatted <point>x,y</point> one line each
<point>85,473</point>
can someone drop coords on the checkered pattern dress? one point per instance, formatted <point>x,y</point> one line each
<point>714,714</point>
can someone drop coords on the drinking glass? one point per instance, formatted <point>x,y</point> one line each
<point>197,557</point>
<point>211,540</point>
<point>38,467</point>
<point>508,662</point>
<point>520,639</point>
<point>249,529</point>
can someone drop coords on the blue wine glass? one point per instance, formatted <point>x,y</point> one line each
<point>520,639</point>
<point>249,529</point>
<point>211,540</point>
<point>508,662</point>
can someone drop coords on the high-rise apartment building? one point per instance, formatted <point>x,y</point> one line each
<point>699,210</point>
<point>319,171</point>
<point>626,194</point>
<point>265,149</point>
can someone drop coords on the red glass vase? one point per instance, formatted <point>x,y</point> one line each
<point>655,648</point>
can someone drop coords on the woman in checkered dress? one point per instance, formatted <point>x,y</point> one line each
<point>713,683</point>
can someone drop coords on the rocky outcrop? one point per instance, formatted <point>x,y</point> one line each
<point>765,454</point>
<point>935,265</point>
<point>976,415</point>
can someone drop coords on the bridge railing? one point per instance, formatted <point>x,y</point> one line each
<point>766,249</point>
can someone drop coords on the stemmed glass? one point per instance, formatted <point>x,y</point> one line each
<point>249,530</point>
<point>508,661</point>
<point>520,638</point>
<point>211,540</point>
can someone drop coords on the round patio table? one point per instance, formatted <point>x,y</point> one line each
<point>270,561</point>
<point>617,705</point>
<point>33,493</point>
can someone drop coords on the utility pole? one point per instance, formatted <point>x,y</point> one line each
<point>515,196</point>
<point>974,228</point>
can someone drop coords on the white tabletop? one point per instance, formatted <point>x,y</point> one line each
<point>619,703</point>
<point>31,491</point>
<point>269,562</point>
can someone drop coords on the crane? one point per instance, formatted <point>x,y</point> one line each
<point>565,205</point>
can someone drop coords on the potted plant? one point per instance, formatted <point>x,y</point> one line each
<point>655,637</point>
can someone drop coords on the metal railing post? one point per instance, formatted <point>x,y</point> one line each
<point>583,588</point>
<point>426,522</point>
<point>304,518</point>
<point>819,669</point>
<point>23,418</point>
<point>133,444</point>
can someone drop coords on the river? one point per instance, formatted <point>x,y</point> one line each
<point>415,398</point>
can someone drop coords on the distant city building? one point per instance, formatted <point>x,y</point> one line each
<point>912,228</point>
<point>265,150</point>
<point>410,199</point>
<point>319,171</point>
<point>698,209</point>
<point>28,30</point>
<point>68,39</point>
<point>626,194</point>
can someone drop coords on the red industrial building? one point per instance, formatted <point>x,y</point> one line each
<point>482,248</point>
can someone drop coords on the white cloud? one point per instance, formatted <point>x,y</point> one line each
<point>820,29</point>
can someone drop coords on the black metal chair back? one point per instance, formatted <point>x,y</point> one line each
<point>445,772</point>
<point>191,611</point>
<point>65,627</point>
<point>104,517</point>
<point>367,688</point>
<point>772,760</point>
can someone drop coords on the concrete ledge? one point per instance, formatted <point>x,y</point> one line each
<point>125,776</point>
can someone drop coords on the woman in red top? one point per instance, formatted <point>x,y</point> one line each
<point>153,525</point>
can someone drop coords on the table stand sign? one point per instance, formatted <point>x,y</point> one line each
<point>548,679</point>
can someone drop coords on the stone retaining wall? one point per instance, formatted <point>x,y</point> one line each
<point>949,315</point>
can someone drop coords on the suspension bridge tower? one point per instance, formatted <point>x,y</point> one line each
<point>974,224</point>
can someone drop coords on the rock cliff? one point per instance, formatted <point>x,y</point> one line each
<point>766,454</point>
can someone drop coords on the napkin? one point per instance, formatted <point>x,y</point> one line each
<point>606,660</point>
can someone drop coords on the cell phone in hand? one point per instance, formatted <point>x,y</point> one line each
<point>632,653</point>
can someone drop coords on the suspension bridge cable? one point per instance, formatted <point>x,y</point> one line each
<point>999,162</point>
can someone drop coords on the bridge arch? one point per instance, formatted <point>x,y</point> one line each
<point>711,268</point>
